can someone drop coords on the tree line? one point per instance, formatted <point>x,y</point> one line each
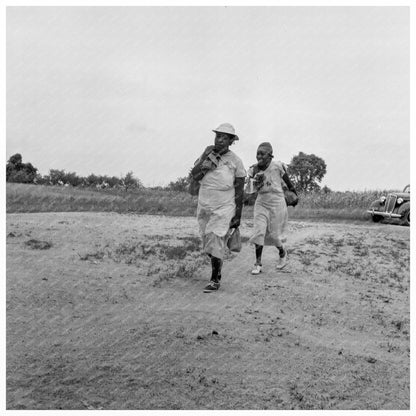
<point>305,171</point>
<point>17,171</point>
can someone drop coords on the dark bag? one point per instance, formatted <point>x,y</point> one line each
<point>234,240</point>
<point>291,198</point>
<point>193,187</point>
<point>209,162</point>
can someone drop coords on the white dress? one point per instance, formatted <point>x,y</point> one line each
<point>216,203</point>
<point>270,210</point>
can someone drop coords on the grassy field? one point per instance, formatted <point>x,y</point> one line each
<point>36,198</point>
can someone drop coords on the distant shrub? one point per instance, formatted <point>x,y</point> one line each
<point>17,171</point>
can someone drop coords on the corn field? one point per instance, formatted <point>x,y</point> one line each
<point>40,198</point>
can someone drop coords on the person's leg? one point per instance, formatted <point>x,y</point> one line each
<point>216,265</point>
<point>257,238</point>
<point>257,265</point>
<point>214,284</point>
<point>278,229</point>
<point>282,255</point>
<point>220,269</point>
<point>281,251</point>
<point>215,247</point>
<point>259,251</point>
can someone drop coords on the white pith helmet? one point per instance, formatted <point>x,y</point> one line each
<point>226,128</point>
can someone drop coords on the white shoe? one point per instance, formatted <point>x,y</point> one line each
<point>282,262</point>
<point>257,269</point>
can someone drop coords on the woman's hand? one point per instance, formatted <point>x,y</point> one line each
<point>235,222</point>
<point>259,180</point>
<point>207,151</point>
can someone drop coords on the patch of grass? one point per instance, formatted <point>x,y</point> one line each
<point>99,255</point>
<point>394,275</point>
<point>398,324</point>
<point>349,268</point>
<point>180,258</point>
<point>131,252</point>
<point>312,241</point>
<point>184,269</point>
<point>156,237</point>
<point>306,257</point>
<point>361,250</point>
<point>174,252</point>
<point>38,244</point>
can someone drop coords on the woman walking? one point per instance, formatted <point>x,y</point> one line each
<point>270,210</point>
<point>221,175</point>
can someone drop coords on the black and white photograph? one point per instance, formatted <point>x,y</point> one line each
<point>207,206</point>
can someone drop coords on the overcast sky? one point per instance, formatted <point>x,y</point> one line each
<point>108,90</point>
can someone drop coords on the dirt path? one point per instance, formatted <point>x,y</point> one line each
<point>94,323</point>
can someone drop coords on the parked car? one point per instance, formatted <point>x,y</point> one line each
<point>394,205</point>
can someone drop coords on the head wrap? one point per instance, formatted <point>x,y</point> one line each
<point>267,146</point>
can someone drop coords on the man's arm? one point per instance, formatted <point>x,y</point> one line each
<point>239,195</point>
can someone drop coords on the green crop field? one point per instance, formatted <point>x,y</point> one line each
<point>40,198</point>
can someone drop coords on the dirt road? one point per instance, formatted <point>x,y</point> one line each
<point>102,313</point>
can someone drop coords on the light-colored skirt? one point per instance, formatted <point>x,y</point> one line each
<point>270,220</point>
<point>214,224</point>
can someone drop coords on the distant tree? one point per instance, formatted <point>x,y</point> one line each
<point>326,190</point>
<point>130,182</point>
<point>17,171</point>
<point>56,176</point>
<point>306,171</point>
<point>180,185</point>
<point>113,181</point>
<point>93,180</point>
<point>72,178</point>
<point>16,159</point>
<point>41,180</point>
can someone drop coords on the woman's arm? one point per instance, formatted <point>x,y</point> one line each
<point>198,170</point>
<point>239,196</point>
<point>289,183</point>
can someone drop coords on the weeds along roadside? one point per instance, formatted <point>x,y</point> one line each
<point>39,198</point>
<point>157,257</point>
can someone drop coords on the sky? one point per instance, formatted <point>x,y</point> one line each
<point>109,90</point>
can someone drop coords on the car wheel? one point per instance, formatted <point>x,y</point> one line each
<point>376,206</point>
<point>404,211</point>
<point>405,220</point>
<point>376,218</point>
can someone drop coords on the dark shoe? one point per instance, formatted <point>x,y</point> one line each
<point>212,287</point>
